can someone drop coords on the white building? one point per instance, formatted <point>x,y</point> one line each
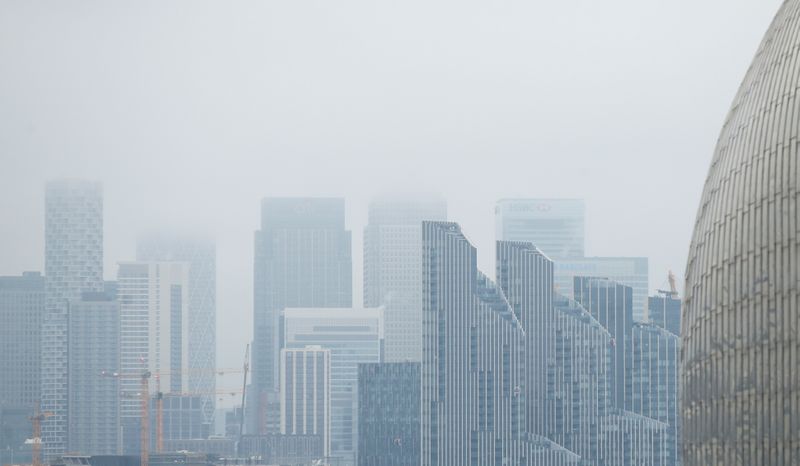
<point>154,321</point>
<point>306,393</point>
<point>393,267</point>
<point>353,336</point>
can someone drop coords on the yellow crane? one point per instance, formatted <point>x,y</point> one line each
<point>36,441</point>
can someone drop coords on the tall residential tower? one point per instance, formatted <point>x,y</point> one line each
<point>73,265</point>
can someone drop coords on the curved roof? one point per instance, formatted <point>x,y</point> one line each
<point>740,323</point>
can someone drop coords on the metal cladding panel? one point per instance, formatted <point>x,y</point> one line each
<point>740,321</point>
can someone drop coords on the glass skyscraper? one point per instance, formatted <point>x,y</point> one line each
<point>73,265</point>
<point>628,271</point>
<point>555,226</point>
<point>302,259</point>
<point>741,347</point>
<point>392,265</point>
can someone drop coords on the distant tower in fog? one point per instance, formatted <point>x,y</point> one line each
<point>201,256</point>
<point>302,259</point>
<point>73,265</point>
<point>555,226</point>
<point>393,270</point>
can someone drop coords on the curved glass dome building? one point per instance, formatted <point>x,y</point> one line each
<point>741,349</point>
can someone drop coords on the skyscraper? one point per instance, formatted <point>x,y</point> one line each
<point>526,278</point>
<point>392,265</point>
<point>302,259</point>
<point>654,381</point>
<point>665,311</point>
<point>306,393</point>
<point>610,303</point>
<point>94,347</point>
<point>353,336</point>
<point>740,388</point>
<point>73,265</point>
<point>473,409</point>
<point>154,322</point>
<point>21,314</point>
<point>388,414</point>
<point>555,226</point>
<point>202,259</point>
<point>580,380</point>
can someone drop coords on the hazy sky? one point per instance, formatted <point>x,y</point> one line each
<point>191,111</point>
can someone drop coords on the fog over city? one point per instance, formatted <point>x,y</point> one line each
<point>191,112</point>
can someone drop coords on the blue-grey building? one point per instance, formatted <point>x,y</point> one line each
<point>525,275</point>
<point>665,311</point>
<point>94,347</point>
<point>302,259</point>
<point>201,255</point>
<point>580,374</point>
<point>654,381</point>
<point>73,265</point>
<point>473,385</point>
<point>21,314</point>
<point>611,304</point>
<point>389,414</point>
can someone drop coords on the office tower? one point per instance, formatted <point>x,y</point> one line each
<point>302,259</point>
<point>472,365</point>
<point>94,348</point>
<point>555,226</point>
<point>610,303</point>
<point>580,375</point>
<point>73,265</point>
<point>665,311</point>
<point>154,303</point>
<point>201,256</point>
<point>353,336</point>
<point>740,390</point>
<point>628,271</point>
<point>526,277</point>
<point>392,264</point>
<point>654,381</point>
<point>21,314</point>
<point>388,414</point>
<point>306,393</point>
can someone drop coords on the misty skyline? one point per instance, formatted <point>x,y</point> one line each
<point>191,112</point>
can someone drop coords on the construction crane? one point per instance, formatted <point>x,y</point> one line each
<point>673,289</point>
<point>245,368</point>
<point>144,395</point>
<point>36,441</point>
